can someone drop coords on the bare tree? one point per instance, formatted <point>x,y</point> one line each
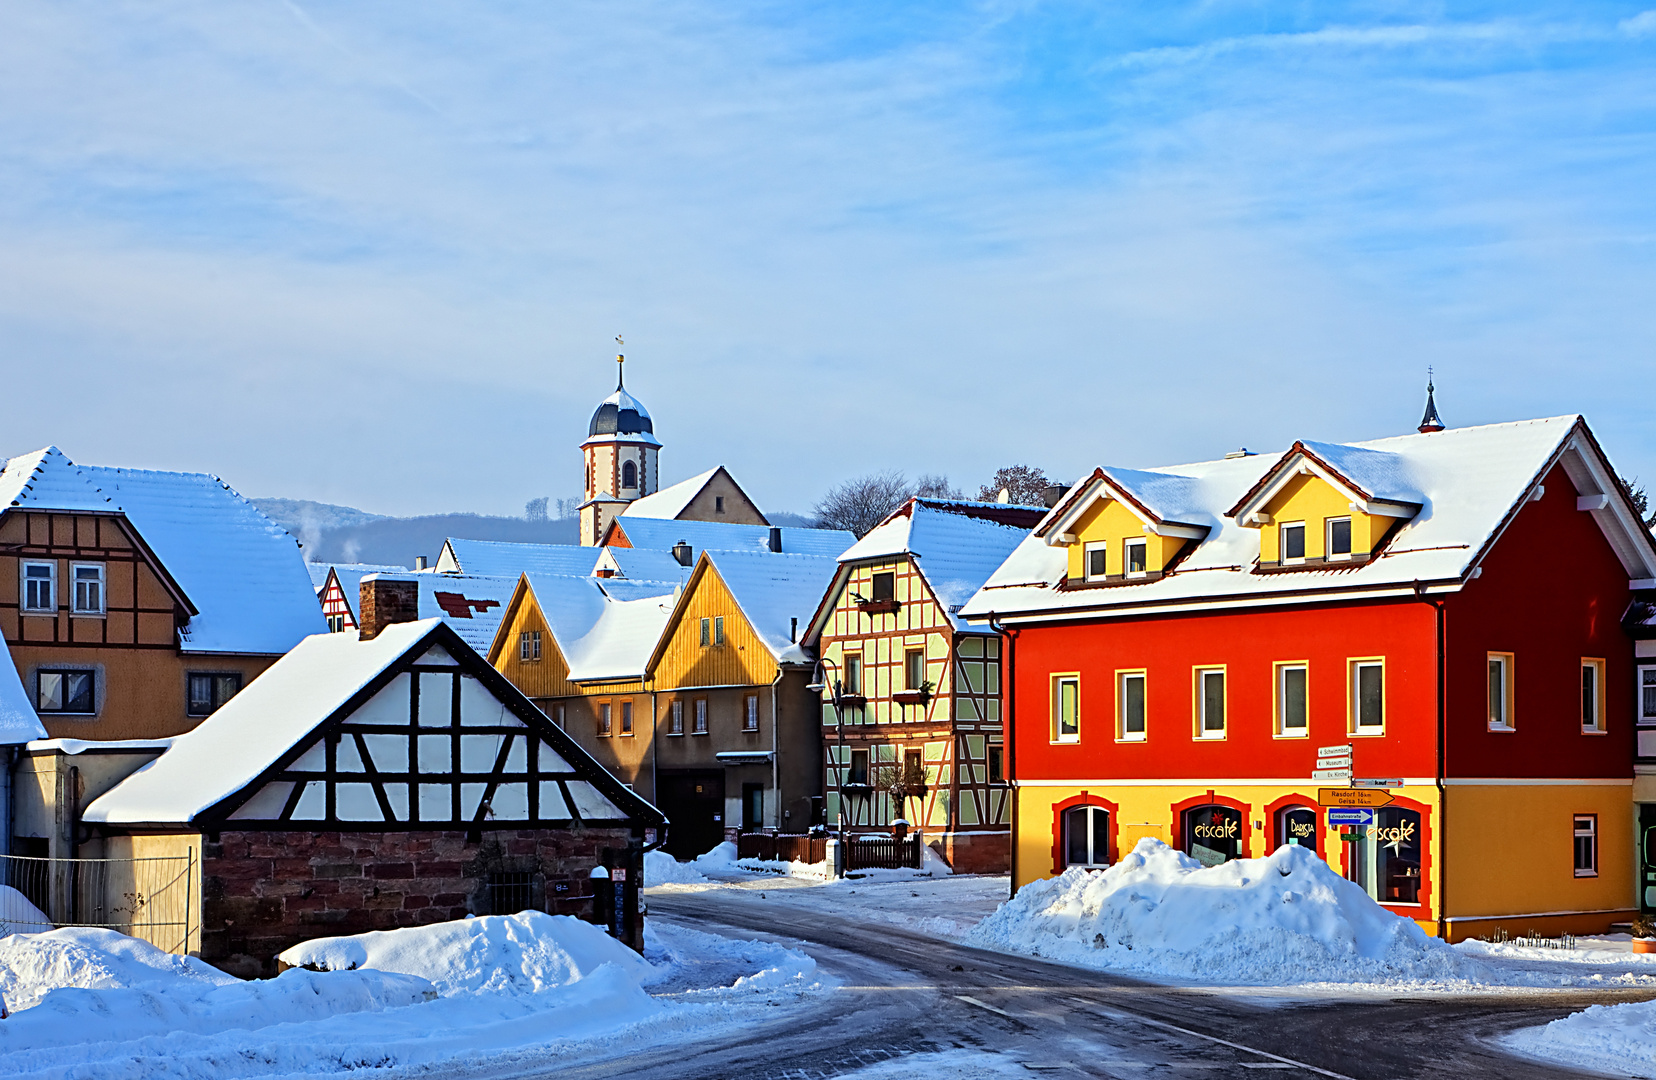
<point>568,508</point>
<point>535,509</point>
<point>860,504</point>
<point>937,486</point>
<point>1023,481</point>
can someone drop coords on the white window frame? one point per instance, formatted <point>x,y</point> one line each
<point>1139,544</point>
<point>1282,543</point>
<point>910,657</point>
<point>1094,841</point>
<point>1598,726</point>
<point>1354,695</point>
<point>1501,719</point>
<point>1283,731</point>
<point>718,630</point>
<point>23,580</point>
<point>75,607</point>
<point>1328,538</point>
<point>1122,677</point>
<point>1102,547</point>
<point>1646,676</point>
<point>1589,832</point>
<point>1059,681</point>
<point>1201,674</point>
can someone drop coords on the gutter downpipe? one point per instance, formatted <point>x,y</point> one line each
<point>1009,690</point>
<point>1442,746</point>
<point>776,750</point>
<point>8,764</point>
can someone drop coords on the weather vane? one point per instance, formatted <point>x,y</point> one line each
<point>620,361</point>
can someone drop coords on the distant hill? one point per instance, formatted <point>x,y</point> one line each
<point>330,533</point>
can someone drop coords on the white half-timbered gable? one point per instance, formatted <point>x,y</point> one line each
<point>411,730</point>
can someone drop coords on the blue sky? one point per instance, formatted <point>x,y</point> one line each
<point>376,253</point>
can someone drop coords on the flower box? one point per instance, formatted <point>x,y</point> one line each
<point>912,697</point>
<point>879,607</point>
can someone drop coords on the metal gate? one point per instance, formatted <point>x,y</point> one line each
<point>149,898</point>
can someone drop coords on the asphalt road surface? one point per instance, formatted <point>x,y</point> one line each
<point>905,994</point>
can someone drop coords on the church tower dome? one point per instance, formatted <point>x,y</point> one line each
<point>621,453</point>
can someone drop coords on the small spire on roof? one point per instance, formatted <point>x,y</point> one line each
<point>620,361</point>
<point>1431,421</point>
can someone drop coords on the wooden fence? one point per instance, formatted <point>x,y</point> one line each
<point>782,847</point>
<point>882,853</point>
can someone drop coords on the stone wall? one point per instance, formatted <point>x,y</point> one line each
<point>265,891</point>
<point>974,852</point>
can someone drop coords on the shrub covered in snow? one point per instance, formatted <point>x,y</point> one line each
<point>1287,918</point>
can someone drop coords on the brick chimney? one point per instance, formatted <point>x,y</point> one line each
<point>385,600</point>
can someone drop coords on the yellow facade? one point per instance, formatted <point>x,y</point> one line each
<point>1313,500</point>
<point>1107,520</point>
<point>681,660</point>
<point>547,677</point>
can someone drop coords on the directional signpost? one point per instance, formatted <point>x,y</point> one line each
<point>1337,796</point>
<point>1333,765</point>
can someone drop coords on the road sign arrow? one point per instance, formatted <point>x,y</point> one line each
<point>1333,796</point>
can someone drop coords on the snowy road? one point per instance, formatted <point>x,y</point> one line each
<point>914,1005</point>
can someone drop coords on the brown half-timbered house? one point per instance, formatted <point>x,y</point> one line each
<point>914,693</point>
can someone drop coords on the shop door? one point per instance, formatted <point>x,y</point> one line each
<point>1647,856</point>
<point>1298,825</point>
<point>1213,834</point>
<point>694,805</point>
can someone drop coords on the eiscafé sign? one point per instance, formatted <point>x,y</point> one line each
<point>1218,830</point>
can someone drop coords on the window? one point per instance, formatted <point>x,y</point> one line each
<point>914,669</point>
<point>1096,556</point>
<point>853,674</point>
<point>1647,695</point>
<point>1213,834</point>
<point>1210,703</point>
<point>859,768</point>
<point>65,692</point>
<point>1500,692</point>
<point>510,892</point>
<point>1086,836</point>
<point>1385,858</point>
<point>89,588</point>
<point>718,504</point>
<point>1297,825</point>
<point>997,764</point>
<point>750,713</point>
<point>558,716</point>
<point>1338,540</point>
<point>40,586</point>
<point>1066,710</point>
<point>529,645</point>
<point>718,629</point>
<point>884,586</point>
<point>604,718</point>
<point>1592,696</point>
<point>629,475</point>
<point>1130,706</point>
<point>211,689</point>
<point>1368,697</point>
<point>1133,555</point>
<point>1292,542</point>
<point>701,717</point>
<point>1586,845</point>
<point>626,718</point>
<point>1292,710</point>
<point>336,624</point>
<point>706,632</point>
<point>675,718</point>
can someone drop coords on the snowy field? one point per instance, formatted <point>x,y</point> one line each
<point>515,990</point>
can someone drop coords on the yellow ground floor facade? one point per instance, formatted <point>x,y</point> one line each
<point>1467,860</point>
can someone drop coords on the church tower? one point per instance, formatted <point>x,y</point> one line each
<point>620,451</point>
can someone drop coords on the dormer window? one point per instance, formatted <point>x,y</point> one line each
<point>1338,540</point>
<point>1134,556</point>
<point>1292,541</point>
<point>1097,564</point>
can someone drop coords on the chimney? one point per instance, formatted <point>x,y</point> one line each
<point>1053,494</point>
<point>386,600</point>
<point>681,552</point>
<point>420,562</point>
<point>793,629</point>
<point>776,539</point>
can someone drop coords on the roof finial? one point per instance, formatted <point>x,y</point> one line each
<point>1431,421</point>
<point>620,362</point>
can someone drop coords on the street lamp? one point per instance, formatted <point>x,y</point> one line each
<point>819,683</point>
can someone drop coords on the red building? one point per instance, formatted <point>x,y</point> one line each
<point>1196,652</point>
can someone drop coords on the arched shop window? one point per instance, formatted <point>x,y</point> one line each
<point>1086,836</point>
<point>1385,860</point>
<point>1297,825</point>
<point>1213,834</point>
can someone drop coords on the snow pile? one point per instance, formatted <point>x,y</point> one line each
<point>661,868</point>
<point>1284,919</point>
<point>721,858</point>
<point>513,955</point>
<point>33,965</point>
<point>1610,1038</point>
<point>19,916</point>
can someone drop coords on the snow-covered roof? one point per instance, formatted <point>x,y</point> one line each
<point>620,643</point>
<point>773,590</point>
<point>18,722</point>
<point>241,572</point>
<point>500,558</point>
<point>661,534</point>
<point>350,576</point>
<point>671,501</point>
<point>642,564</point>
<point>228,750</point>
<point>582,615</point>
<point>472,604</point>
<point>955,551</point>
<point>1156,498</point>
<point>1466,481</point>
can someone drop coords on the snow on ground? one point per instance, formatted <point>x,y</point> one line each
<point>1617,1039</point>
<point>661,868</point>
<point>528,989</point>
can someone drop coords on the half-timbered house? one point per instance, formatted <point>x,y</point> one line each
<point>369,783</point>
<point>337,588</point>
<point>914,691</point>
